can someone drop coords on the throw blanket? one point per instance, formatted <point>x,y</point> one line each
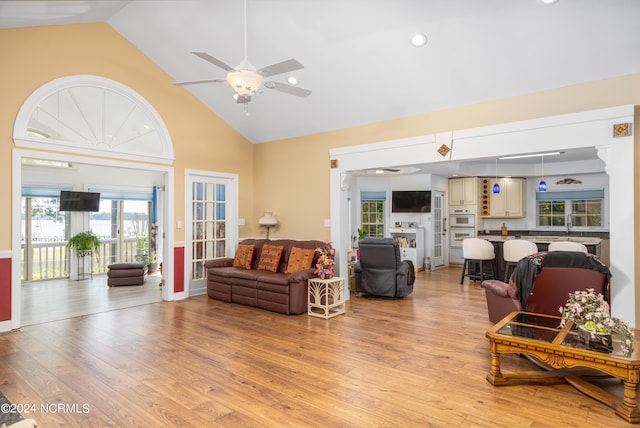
<point>525,272</point>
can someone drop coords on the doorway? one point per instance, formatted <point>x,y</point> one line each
<point>120,212</point>
<point>211,232</point>
<point>110,122</point>
<point>439,230</point>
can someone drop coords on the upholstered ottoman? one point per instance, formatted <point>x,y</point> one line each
<point>126,274</point>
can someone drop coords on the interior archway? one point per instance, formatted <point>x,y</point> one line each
<point>93,116</point>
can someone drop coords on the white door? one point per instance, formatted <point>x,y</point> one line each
<point>439,229</point>
<point>212,231</point>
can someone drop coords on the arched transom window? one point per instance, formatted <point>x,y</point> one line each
<point>93,115</point>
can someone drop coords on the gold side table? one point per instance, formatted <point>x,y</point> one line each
<point>326,297</point>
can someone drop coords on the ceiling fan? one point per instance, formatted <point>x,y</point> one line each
<point>246,80</point>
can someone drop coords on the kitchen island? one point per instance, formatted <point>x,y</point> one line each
<point>594,245</point>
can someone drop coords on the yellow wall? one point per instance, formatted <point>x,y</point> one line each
<point>32,57</point>
<point>302,166</point>
<point>289,177</point>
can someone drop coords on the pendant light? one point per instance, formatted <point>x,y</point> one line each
<point>496,186</point>
<point>542,186</point>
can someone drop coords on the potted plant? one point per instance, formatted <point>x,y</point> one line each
<point>84,242</point>
<point>153,263</point>
<point>362,234</point>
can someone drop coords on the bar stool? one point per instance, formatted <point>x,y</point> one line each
<point>476,252</point>
<point>515,249</point>
<point>567,246</point>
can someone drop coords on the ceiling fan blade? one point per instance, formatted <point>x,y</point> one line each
<point>215,61</point>
<point>293,90</point>
<point>280,67</point>
<point>193,82</point>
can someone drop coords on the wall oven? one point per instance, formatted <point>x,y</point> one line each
<point>462,225</point>
<point>459,234</point>
<point>462,220</point>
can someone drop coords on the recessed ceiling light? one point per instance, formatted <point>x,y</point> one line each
<point>548,1</point>
<point>292,80</point>
<point>418,40</point>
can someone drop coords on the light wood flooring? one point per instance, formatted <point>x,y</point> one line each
<point>47,301</point>
<point>416,362</point>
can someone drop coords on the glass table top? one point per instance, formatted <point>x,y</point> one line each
<point>546,328</point>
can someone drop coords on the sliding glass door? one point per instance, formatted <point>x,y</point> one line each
<point>124,228</point>
<point>45,231</point>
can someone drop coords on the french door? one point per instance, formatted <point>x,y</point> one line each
<point>439,229</point>
<point>212,230</point>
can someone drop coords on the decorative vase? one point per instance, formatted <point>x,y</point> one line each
<point>601,342</point>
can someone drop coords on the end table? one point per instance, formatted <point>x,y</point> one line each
<point>326,297</point>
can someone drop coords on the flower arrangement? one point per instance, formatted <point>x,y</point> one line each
<point>589,310</point>
<point>325,267</point>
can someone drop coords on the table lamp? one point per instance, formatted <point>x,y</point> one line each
<point>268,220</point>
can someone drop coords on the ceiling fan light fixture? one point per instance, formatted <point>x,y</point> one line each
<point>245,82</point>
<point>292,80</point>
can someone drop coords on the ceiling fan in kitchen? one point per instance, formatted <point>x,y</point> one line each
<point>246,80</point>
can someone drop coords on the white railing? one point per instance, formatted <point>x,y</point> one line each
<point>49,259</point>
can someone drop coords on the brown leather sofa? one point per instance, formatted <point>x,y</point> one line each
<point>273,291</point>
<point>541,283</point>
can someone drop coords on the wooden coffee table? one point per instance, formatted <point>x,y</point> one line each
<point>539,336</point>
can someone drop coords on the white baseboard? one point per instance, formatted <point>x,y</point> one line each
<point>180,295</point>
<point>198,291</point>
<point>5,326</point>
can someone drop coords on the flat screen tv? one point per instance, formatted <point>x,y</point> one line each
<point>411,201</point>
<point>79,201</point>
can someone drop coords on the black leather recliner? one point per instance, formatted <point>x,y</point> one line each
<point>380,272</point>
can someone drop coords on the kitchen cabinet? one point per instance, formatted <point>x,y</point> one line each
<point>463,191</point>
<point>411,243</point>
<point>510,202</point>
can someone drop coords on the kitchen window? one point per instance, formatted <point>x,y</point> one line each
<point>372,212</point>
<point>581,209</point>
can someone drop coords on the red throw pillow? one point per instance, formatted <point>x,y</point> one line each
<point>244,256</point>
<point>300,259</point>
<point>270,257</point>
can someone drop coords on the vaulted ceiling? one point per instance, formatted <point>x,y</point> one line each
<point>356,53</point>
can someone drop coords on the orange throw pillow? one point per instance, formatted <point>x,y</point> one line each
<point>300,259</point>
<point>244,256</point>
<point>270,257</point>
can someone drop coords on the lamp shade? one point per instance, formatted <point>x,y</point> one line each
<point>542,186</point>
<point>496,188</point>
<point>268,219</point>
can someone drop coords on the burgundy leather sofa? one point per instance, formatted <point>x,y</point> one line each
<point>273,291</point>
<point>552,277</point>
